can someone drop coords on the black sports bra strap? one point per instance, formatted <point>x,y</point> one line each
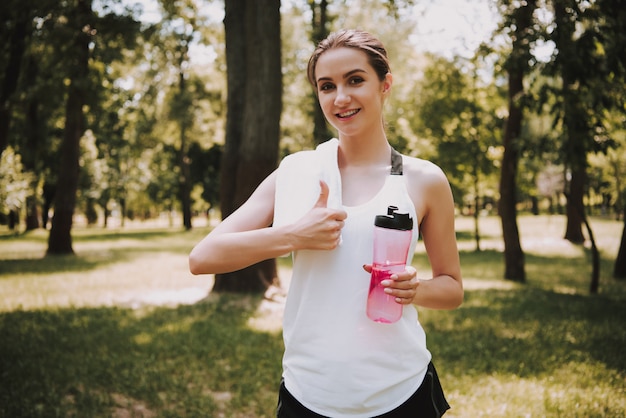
<point>396,162</point>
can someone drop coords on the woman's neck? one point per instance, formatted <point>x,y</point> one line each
<point>364,151</point>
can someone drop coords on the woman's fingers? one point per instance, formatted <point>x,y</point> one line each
<point>402,285</point>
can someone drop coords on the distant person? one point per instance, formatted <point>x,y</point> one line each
<point>320,205</point>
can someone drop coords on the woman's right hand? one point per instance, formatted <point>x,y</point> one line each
<point>320,228</point>
<point>245,237</point>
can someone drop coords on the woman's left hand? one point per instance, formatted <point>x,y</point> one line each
<point>403,286</point>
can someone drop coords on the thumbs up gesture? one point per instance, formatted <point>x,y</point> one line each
<point>320,228</point>
<point>322,200</point>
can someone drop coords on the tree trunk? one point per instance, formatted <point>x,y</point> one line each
<point>575,219</point>
<point>476,205</point>
<point>619,270</point>
<point>49,191</point>
<point>60,238</point>
<point>235,29</point>
<point>105,220</point>
<point>17,47</point>
<point>183,159</point>
<point>34,139</point>
<point>574,150</point>
<point>123,211</point>
<point>595,259</point>
<point>619,207</point>
<point>14,220</point>
<point>517,66</point>
<point>513,253</point>
<point>32,213</point>
<point>321,131</point>
<point>185,187</point>
<point>253,117</point>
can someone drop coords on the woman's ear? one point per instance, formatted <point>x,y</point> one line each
<point>387,82</point>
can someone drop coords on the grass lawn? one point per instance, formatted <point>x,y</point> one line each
<point>122,329</point>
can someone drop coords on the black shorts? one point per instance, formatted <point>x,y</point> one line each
<point>427,402</point>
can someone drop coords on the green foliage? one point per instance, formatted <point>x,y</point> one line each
<point>14,182</point>
<point>459,115</point>
<point>205,169</point>
<point>164,184</point>
<point>590,72</point>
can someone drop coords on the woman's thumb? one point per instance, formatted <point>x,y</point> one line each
<point>322,200</point>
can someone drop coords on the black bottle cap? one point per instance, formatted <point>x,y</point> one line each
<point>394,220</point>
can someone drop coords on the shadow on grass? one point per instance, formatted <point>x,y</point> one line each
<point>204,359</point>
<point>95,249</point>
<point>27,236</point>
<point>62,263</point>
<point>551,271</point>
<point>90,235</point>
<point>189,361</point>
<point>470,236</point>
<point>528,332</point>
<point>94,234</point>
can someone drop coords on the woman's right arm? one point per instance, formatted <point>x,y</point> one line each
<point>246,237</point>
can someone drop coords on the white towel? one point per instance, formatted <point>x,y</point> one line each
<point>297,182</point>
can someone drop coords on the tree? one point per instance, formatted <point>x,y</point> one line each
<point>15,32</point>
<point>588,37</point>
<point>456,115</point>
<point>254,105</point>
<point>181,22</point>
<point>516,66</point>
<point>590,65</point>
<point>618,163</point>
<point>80,25</point>
<point>611,35</point>
<point>13,186</point>
<point>84,36</point>
<point>23,115</point>
<point>108,119</point>
<point>163,187</point>
<point>619,269</point>
<point>573,119</point>
<point>320,29</point>
<point>204,168</point>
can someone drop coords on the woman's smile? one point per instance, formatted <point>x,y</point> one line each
<point>348,113</point>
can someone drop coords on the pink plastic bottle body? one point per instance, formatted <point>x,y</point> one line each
<point>391,248</point>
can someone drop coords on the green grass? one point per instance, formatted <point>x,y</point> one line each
<point>101,334</point>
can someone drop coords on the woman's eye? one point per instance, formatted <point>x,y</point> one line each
<point>326,86</point>
<point>356,80</point>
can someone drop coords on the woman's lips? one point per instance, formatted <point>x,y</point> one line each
<point>348,113</point>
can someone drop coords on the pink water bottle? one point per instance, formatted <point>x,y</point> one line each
<point>392,240</point>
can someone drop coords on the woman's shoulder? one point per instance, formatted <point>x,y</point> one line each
<point>427,185</point>
<point>423,169</point>
<point>298,157</point>
<point>297,162</point>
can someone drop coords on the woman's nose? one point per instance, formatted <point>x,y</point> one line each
<point>342,97</point>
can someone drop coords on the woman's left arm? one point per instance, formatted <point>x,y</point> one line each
<point>430,191</point>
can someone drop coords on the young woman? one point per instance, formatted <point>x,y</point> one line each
<point>320,205</point>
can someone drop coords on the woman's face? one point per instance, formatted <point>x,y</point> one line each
<point>350,92</point>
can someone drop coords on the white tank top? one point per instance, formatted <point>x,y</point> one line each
<point>338,362</point>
